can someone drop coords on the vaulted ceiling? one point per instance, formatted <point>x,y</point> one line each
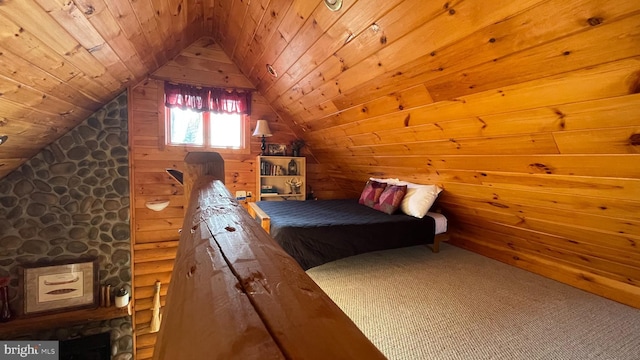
<point>60,60</point>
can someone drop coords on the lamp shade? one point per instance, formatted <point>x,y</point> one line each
<point>157,205</point>
<point>262,129</point>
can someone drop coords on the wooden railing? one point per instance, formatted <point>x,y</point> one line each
<point>235,294</point>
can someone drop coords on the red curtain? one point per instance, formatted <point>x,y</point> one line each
<point>207,99</point>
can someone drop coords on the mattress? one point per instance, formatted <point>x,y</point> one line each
<point>441,222</point>
<point>317,232</point>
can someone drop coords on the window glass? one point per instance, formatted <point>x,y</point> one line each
<point>206,129</point>
<point>186,127</point>
<point>225,130</point>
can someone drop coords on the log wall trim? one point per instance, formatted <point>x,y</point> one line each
<point>235,293</point>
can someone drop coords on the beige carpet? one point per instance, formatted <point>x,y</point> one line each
<point>414,304</point>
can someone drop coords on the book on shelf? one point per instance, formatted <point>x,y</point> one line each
<point>267,168</point>
<point>268,189</point>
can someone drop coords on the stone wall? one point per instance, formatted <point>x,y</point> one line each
<point>71,201</point>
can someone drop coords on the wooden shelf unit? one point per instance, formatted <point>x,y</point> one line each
<point>274,171</point>
<point>24,325</point>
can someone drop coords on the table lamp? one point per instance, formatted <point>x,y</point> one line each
<point>262,129</point>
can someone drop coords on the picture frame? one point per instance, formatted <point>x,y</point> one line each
<point>277,149</point>
<point>59,286</point>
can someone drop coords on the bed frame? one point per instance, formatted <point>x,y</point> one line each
<point>265,223</point>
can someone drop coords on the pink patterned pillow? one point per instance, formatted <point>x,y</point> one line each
<point>371,193</point>
<point>391,198</point>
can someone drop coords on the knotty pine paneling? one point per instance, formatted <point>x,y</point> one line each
<point>577,88</point>
<point>155,234</point>
<point>369,39</point>
<point>450,25</point>
<point>147,293</point>
<point>309,28</point>
<point>263,40</point>
<point>616,166</point>
<point>566,54</point>
<point>570,117</point>
<point>60,61</point>
<point>563,238</point>
<point>555,267</point>
<point>530,122</point>
<point>156,251</point>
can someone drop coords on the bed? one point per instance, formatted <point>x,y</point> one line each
<point>320,231</point>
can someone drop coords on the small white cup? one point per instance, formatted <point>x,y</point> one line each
<point>122,299</point>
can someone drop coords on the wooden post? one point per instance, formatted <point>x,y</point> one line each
<point>198,164</point>
<point>235,293</point>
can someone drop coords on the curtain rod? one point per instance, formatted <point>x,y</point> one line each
<point>154,77</point>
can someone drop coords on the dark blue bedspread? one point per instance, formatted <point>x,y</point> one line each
<point>317,232</point>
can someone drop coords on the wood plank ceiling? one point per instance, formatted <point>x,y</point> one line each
<point>527,112</point>
<point>60,60</point>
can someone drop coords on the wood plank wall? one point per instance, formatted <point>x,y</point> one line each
<point>526,112</point>
<point>155,235</point>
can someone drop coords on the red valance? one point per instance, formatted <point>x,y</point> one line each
<point>207,99</point>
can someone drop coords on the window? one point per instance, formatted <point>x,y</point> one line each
<point>206,117</point>
<point>205,129</point>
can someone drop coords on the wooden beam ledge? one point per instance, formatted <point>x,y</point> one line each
<point>235,294</point>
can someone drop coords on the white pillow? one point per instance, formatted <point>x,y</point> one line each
<point>418,199</point>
